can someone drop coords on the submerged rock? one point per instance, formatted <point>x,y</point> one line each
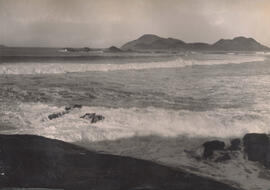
<point>67,110</point>
<point>211,146</point>
<point>93,117</point>
<point>257,148</point>
<point>36,162</point>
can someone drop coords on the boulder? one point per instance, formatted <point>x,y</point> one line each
<point>56,115</point>
<point>235,145</point>
<point>93,117</point>
<point>211,146</point>
<point>257,148</point>
<point>223,157</point>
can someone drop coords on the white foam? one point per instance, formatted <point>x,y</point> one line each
<point>54,68</point>
<point>262,53</point>
<point>122,123</point>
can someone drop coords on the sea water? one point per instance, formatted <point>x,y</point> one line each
<point>196,95</point>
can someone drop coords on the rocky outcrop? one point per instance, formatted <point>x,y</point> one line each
<point>257,148</point>
<point>235,144</point>
<point>93,117</point>
<point>67,110</point>
<point>84,49</point>
<point>112,49</point>
<point>57,115</point>
<point>36,162</point>
<point>211,146</point>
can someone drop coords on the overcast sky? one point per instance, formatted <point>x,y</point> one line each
<point>102,23</point>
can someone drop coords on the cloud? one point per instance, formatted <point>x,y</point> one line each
<point>112,22</point>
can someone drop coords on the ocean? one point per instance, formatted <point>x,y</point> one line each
<point>148,101</point>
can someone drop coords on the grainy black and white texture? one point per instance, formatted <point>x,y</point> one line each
<point>134,94</point>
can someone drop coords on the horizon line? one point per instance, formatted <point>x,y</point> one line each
<point>83,46</point>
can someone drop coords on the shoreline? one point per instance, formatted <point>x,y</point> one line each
<point>38,162</point>
<point>169,153</point>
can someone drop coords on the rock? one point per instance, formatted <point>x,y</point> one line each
<point>113,49</point>
<point>224,157</point>
<point>211,146</point>
<point>36,162</point>
<point>57,115</point>
<point>72,107</point>
<point>67,110</point>
<point>93,117</point>
<point>257,148</point>
<point>235,144</point>
<point>267,158</point>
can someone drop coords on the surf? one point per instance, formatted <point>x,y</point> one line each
<point>58,68</point>
<point>129,122</point>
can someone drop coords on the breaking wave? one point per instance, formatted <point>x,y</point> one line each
<point>55,68</point>
<point>128,122</point>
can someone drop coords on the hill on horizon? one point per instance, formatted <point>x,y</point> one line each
<point>154,42</point>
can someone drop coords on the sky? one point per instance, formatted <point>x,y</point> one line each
<point>102,23</point>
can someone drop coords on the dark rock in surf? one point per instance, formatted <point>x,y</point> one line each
<point>93,117</point>
<point>36,162</point>
<point>67,110</point>
<point>211,146</point>
<point>73,107</point>
<point>57,115</point>
<point>223,157</point>
<point>257,148</point>
<point>235,145</point>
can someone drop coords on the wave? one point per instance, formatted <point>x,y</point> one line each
<point>32,118</point>
<point>56,68</point>
<point>148,126</point>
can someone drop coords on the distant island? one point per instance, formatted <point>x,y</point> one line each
<point>154,42</point>
<point>145,43</point>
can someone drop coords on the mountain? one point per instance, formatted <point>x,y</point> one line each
<point>29,161</point>
<point>239,44</point>
<point>154,42</point>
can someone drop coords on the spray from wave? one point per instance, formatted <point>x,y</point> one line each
<point>55,68</point>
<point>122,123</point>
